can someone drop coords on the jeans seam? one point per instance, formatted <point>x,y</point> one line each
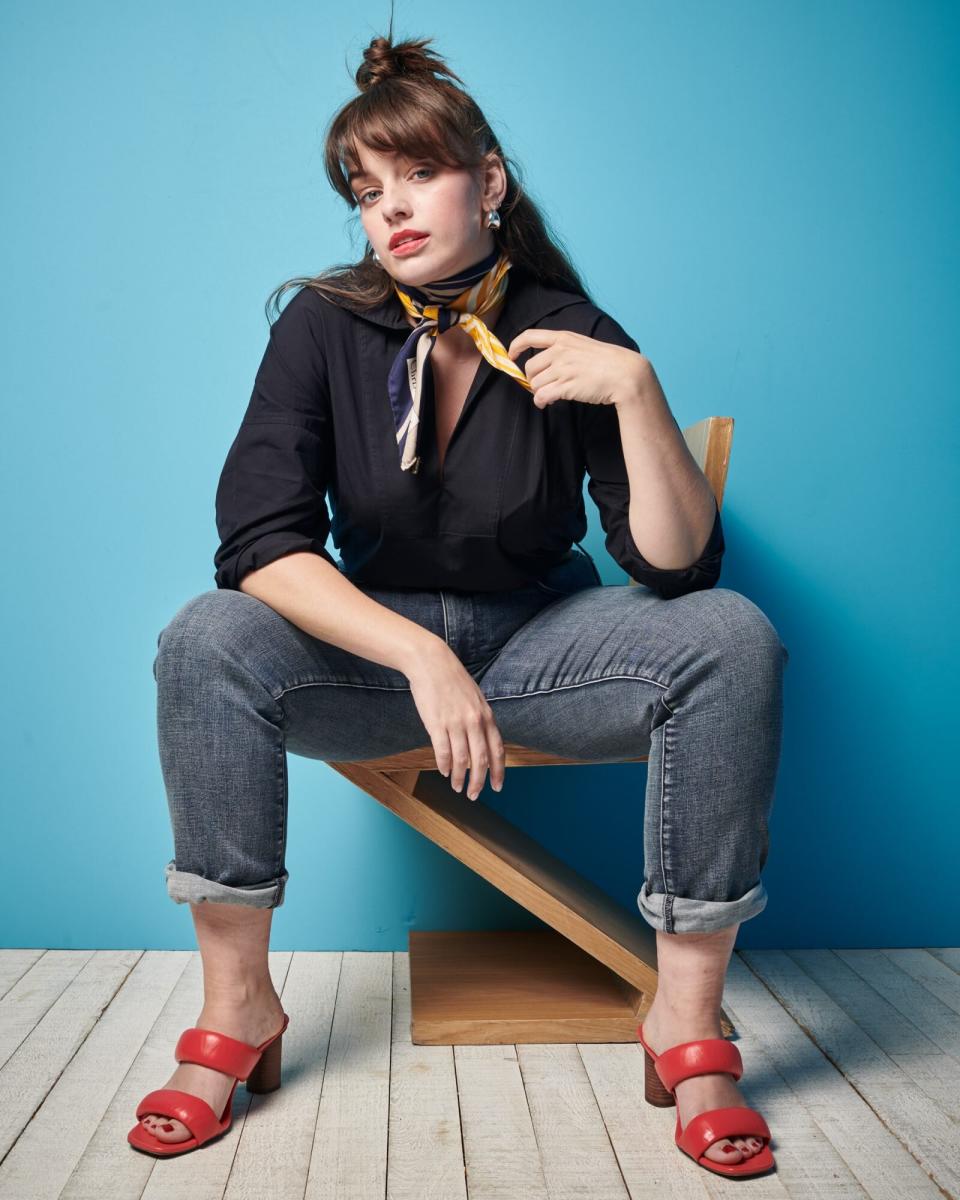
<point>667,895</point>
<point>338,683</point>
<point>446,631</point>
<point>582,683</point>
<point>667,901</point>
<point>483,666</point>
<point>280,746</point>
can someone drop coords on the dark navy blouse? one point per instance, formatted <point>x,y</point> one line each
<point>507,505</point>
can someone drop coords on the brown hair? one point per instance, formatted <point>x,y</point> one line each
<point>405,107</point>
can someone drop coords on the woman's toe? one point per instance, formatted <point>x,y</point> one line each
<point>166,1129</point>
<point>724,1151</point>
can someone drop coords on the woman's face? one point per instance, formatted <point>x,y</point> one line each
<point>446,203</point>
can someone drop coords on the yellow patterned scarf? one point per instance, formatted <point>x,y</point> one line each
<point>458,300</point>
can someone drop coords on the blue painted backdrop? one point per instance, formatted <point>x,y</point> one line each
<point>762,194</point>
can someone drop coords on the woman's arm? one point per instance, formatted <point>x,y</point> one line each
<point>644,479</point>
<point>271,508</point>
<point>312,593</point>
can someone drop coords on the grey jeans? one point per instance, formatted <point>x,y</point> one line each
<point>569,666</point>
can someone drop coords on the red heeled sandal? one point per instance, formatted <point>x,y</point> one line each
<point>662,1073</point>
<point>258,1066</point>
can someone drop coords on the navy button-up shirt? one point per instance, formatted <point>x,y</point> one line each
<point>508,503</point>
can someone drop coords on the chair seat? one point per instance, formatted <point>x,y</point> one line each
<point>424,759</point>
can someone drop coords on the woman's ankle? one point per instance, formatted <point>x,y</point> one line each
<point>664,1014</point>
<point>242,996</point>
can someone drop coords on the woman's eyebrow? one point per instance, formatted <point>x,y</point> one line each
<point>361,174</point>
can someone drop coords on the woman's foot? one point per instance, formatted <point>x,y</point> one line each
<point>252,1022</point>
<point>702,1092</point>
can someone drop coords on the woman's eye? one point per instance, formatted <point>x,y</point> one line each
<point>416,172</point>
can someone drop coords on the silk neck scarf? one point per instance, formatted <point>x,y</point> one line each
<point>460,299</point>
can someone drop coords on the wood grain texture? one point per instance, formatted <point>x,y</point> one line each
<point>842,1076</point>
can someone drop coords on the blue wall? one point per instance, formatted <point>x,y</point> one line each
<point>762,194</point>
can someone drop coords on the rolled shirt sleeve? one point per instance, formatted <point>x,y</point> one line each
<point>608,486</point>
<point>271,496</point>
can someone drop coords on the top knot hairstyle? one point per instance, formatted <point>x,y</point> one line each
<point>409,103</point>
<point>382,60</point>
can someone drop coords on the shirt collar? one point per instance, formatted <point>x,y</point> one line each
<point>526,302</point>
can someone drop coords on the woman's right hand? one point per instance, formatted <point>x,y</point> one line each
<point>458,719</point>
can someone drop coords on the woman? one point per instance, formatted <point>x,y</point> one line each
<point>459,611</point>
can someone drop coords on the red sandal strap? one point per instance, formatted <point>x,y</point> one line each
<point>217,1050</point>
<point>194,1112</point>
<point>704,1057</point>
<point>708,1127</point>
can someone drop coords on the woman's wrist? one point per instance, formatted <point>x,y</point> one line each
<point>421,651</point>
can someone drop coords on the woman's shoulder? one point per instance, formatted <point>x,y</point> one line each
<point>306,304</point>
<point>310,319</point>
<point>580,314</point>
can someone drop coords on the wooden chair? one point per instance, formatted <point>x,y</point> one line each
<point>589,977</point>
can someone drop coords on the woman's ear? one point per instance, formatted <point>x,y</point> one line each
<point>495,181</point>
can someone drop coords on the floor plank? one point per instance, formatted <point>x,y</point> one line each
<point>852,1056</point>
<point>920,1145</point>
<point>909,1024</point>
<point>273,1155</point>
<point>42,1056</point>
<point>425,1151</point>
<point>66,1123</point>
<point>349,1160</point>
<point>14,964</point>
<point>500,1150</point>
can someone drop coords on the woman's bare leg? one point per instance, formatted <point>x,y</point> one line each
<point>692,968</point>
<point>239,999</point>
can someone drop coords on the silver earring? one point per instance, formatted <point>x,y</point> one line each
<point>493,219</point>
<point>376,256</point>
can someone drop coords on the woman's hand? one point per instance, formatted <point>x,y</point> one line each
<point>456,715</point>
<point>572,366</point>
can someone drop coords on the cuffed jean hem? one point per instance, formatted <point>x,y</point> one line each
<point>679,914</point>
<point>187,888</point>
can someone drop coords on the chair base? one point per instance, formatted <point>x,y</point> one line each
<point>508,987</point>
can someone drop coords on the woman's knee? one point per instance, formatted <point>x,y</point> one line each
<point>209,626</point>
<point>737,628</point>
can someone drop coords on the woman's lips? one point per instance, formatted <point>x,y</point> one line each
<point>410,247</point>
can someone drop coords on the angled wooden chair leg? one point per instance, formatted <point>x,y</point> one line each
<point>405,779</point>
<point>589,977</point>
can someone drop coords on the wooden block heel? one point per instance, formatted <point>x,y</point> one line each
<point>653,1090</point>
<point>265,1076</point>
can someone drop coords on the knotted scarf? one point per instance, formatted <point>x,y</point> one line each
<point>459,299</point>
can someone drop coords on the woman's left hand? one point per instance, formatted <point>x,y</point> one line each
<point>572,366</point>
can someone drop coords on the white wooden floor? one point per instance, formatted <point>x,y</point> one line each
<point>852,1056</point>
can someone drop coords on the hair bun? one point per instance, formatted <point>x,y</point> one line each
<point>383,60</point>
